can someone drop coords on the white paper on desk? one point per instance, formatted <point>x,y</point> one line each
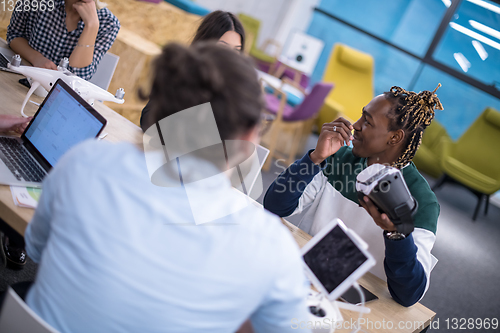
<point>25,196</point>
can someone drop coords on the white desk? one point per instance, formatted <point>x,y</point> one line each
<point>274,82</point>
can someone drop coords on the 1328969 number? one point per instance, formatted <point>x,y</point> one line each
<point>27,5</point>
<point>472,323</point>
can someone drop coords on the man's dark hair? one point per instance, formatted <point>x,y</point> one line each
<point>207,72</point>
<point>216,24</point>
<point>412,113</point>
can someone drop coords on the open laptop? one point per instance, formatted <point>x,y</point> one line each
<point>63,120</point>
<point>5,55</point>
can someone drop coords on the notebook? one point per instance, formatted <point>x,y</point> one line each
<point>63,120</point>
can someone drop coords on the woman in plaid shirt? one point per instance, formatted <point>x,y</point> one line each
<point>47,32</point>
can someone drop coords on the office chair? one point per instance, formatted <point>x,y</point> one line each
<point>252,27</point>
<point>428,156</point>
<point>17,317</point>
<point>352,73</point>
<point>105,70</point>
<point>473,161</point>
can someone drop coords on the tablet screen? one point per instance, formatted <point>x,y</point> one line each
<point>334,258</point>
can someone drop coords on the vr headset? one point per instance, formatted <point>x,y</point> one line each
<point>385,186</point>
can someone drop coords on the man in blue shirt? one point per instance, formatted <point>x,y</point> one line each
<point>119,254</point>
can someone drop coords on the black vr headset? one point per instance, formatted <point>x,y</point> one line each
<point>385,186</point>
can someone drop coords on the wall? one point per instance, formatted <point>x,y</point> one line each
<point>298,18</point>
<point>271,13</point>
<point>409,24</point>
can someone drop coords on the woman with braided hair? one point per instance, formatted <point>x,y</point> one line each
<point>389,132</point>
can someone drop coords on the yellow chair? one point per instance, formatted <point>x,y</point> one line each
<point>428,156</point>
<point>252,27</point>
<point>473,161</point>
<point>352,73</point>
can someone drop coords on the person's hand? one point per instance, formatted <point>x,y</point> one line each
<point>13,123</point>
<point>333,136</point>
<point>381,219</point>
<point>43,62</point>
<point>88,12</point>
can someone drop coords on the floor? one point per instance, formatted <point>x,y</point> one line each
<point>466,281</point>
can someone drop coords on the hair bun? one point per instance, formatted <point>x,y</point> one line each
<point>207,73</point>
<point>210,75</point>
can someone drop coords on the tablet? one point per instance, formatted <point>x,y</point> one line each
<point>336,258</point>
<point>352,296</point>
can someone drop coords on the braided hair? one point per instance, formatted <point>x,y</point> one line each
<point>412,113</point>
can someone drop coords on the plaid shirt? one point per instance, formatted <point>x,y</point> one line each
<point>46,33</point>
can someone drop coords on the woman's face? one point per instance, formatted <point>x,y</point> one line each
<point>232,39</point>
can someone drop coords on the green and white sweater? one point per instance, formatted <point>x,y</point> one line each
<point>329,191</point>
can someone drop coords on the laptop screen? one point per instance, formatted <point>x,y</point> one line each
<point>61,123</point>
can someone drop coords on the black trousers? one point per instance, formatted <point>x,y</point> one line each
<point>15,239</point>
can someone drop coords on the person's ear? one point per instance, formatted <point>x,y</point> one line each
<point>396,137</point>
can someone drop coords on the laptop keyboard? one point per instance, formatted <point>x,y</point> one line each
<point>19,162</point>
<point>3,61</point>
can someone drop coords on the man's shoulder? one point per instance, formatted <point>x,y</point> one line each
<point>266,225</point>
<point>428,206</point>
<point>93,152</point>
<point>260,220</point>
<point>417,184</point>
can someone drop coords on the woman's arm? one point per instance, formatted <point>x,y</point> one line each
<point>17,37</point>
<point>106,35</point>
<point>83,54</point>
<point>20,46</point>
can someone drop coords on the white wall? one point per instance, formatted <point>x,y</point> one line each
<point>278,17</point>
<point>269,12</point>
<point>298,18</point>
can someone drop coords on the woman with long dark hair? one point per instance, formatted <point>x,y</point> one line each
<point>223,27</point>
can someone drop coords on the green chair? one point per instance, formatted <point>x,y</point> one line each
<point>427,158</point>
<point>252,27</point>
<point>473,161</point>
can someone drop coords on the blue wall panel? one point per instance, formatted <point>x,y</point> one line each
<point>411,25</point>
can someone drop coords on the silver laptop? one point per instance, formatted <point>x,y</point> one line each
<point>5,55</point>
<point>63,120</point>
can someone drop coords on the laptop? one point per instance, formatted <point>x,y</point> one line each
<point>63,120</point>
<point>5,56</point>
